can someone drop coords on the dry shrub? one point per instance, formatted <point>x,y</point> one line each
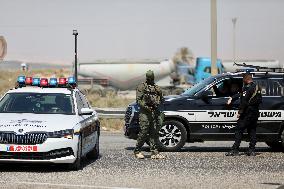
<point>112,124</point>
<point>111,100</point>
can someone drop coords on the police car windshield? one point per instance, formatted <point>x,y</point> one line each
<point>197,87</point>
<point>47,103</point>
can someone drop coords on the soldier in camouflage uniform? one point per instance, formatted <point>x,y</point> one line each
<point>149,96</point>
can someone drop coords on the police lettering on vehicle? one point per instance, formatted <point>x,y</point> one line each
<point>223,114</point>
<point>25,123</point>
<point>270,114</point>
<point>216,126</point>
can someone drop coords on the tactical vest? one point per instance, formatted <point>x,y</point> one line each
<point>151,95</point>
<point>256,97</point>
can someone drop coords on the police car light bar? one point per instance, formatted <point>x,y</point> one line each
<point>53,82</point>
<point>29,81</point>
<point>71,81</point>
<point>43,82</point>
<point>62,81</point>
<point>36,82</point>
<point>21,79</point>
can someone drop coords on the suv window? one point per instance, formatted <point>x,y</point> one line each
<point>271,87</point>
<point>198,87</point>
<point>227,87</point>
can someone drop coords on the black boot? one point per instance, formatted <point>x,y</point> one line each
<point>232,153</point>
<point>251,152</point>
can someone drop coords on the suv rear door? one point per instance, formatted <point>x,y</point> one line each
<point>271,109</point>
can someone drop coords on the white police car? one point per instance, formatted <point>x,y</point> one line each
<point>48,121</point>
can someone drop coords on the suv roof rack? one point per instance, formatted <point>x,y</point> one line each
<point>260,68</point>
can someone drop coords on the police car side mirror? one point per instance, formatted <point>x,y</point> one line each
<point>86,111</point>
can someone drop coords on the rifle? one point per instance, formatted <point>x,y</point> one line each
<point>258,68</point>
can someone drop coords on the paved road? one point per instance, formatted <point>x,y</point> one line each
<point>199,165</point>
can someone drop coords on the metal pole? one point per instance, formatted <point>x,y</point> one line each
<point>214,70</point>
<point>75,33</point>
<point>234,20</point>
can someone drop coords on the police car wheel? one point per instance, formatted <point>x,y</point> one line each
<point>172,136</point>
<point>94,154</point>
<point>77,164</point>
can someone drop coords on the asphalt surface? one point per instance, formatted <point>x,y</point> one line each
<point>198,165</point>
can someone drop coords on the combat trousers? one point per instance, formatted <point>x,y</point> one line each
<point>249,123</point>
<point>149,130</point>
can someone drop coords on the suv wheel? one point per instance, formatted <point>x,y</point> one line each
<point>172,136</point>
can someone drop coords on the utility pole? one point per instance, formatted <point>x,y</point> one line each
<point>214,70</point>
<point>234,20</point>
<point>75,33</point>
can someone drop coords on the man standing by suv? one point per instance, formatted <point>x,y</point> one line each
<point>247,115</point>
<point>149,97</point>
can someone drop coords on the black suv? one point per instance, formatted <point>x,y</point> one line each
<point>201,114</point>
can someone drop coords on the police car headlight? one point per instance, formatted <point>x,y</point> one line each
<point>68,133</point>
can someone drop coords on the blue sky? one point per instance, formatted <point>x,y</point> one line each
<point>41,30</point>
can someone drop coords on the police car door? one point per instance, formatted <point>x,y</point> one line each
<point>215,117</point>
<point>88,125</point>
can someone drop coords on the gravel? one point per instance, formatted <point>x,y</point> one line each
<point>198,165</point>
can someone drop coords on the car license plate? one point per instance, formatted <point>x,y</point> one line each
<point>22,148</point>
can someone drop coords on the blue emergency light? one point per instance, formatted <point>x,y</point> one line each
<point>53,82</point>
<point>21,79</point>
<point>36,81</point>
<point>71,81</point>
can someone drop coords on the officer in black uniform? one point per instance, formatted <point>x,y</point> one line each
<point>247,115</point>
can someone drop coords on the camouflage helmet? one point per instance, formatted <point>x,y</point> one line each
<point>150,77</point>
<point>149,73</point>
